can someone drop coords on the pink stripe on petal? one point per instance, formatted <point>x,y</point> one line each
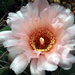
<point>43,64</point>
<point>66,61</point>
<point>33,68</point>
<point>44,5</point>
<point>19,64</point>
<point>6,35</point>
<point>52,57</point>
<point>9,43</point>
<point>31,55</point>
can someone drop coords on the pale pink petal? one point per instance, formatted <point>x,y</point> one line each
<point>48,17</point>
<point>71,58</point>
<point>19,64</point>
<point>19,14</point>
<point>29,27</point>
<point>30,11</point>
<point>17,50</point>
<point>6,35</point>
<point>33,68</point>
<point>71,31</point>
<point>12,56</point>
<point>9,21</point>
<point>33,10</point>
<point>63,35</point>
<point>33,24</point>
<point>68,36</point>
<point>65,45</point>
<point>43,64</point>
<point>32,54</point>
<point>44,17</point>
<point>25,45</point>
<point>65,39</point>
<point>69,18</point>
<point>70,45</point>
<point>24,10</point>
<point>9,43</point>
<point>44,5</point>
<point>14,51</point>
<point>66,62</point>
<point>22,28</point>
<point>64,51</point>
<point>14,16</point>
<point>18,28</point>
<point>57,21</point>
<point>53,57</point>
<point>57,8</point>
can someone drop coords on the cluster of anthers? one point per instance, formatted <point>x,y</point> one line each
<point>42,40</point>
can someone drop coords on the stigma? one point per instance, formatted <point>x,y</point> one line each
<point>41,41</point>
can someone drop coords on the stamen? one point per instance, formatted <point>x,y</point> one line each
<point>41,41</point>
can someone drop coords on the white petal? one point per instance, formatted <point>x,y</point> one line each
<point>9,21</point>
<point>44,3</point>
<point>64,51</point>
<point>65,64</point>
<point>31,55</point>
<point>29,10</point>
<point>19,14</point>
<point>62,13</point>
<point>71,31</point>
<point>21,28</point>
<point>9,43</point>
<point>14,16</point>
<point>69,18</point>
<point>57,8</point>
<point>66,61</point>
<point>56,23</point>
<point>52,57</point>
<point>65,39</point>
<point>46,21</point>
<point>32,10</point>
<point>70,45</point>
<point>71,58</point>
<point>33,68</point>
<point>19,64</point>
<point>6,35</point>
<point>14,51</point>
<point>43,64</point>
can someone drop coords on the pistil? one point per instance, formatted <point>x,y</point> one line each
<point>41,41</point>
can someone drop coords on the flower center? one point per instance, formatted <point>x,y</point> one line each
<point>42,40</point>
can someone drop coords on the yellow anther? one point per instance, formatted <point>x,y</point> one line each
<point>42,40</point>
